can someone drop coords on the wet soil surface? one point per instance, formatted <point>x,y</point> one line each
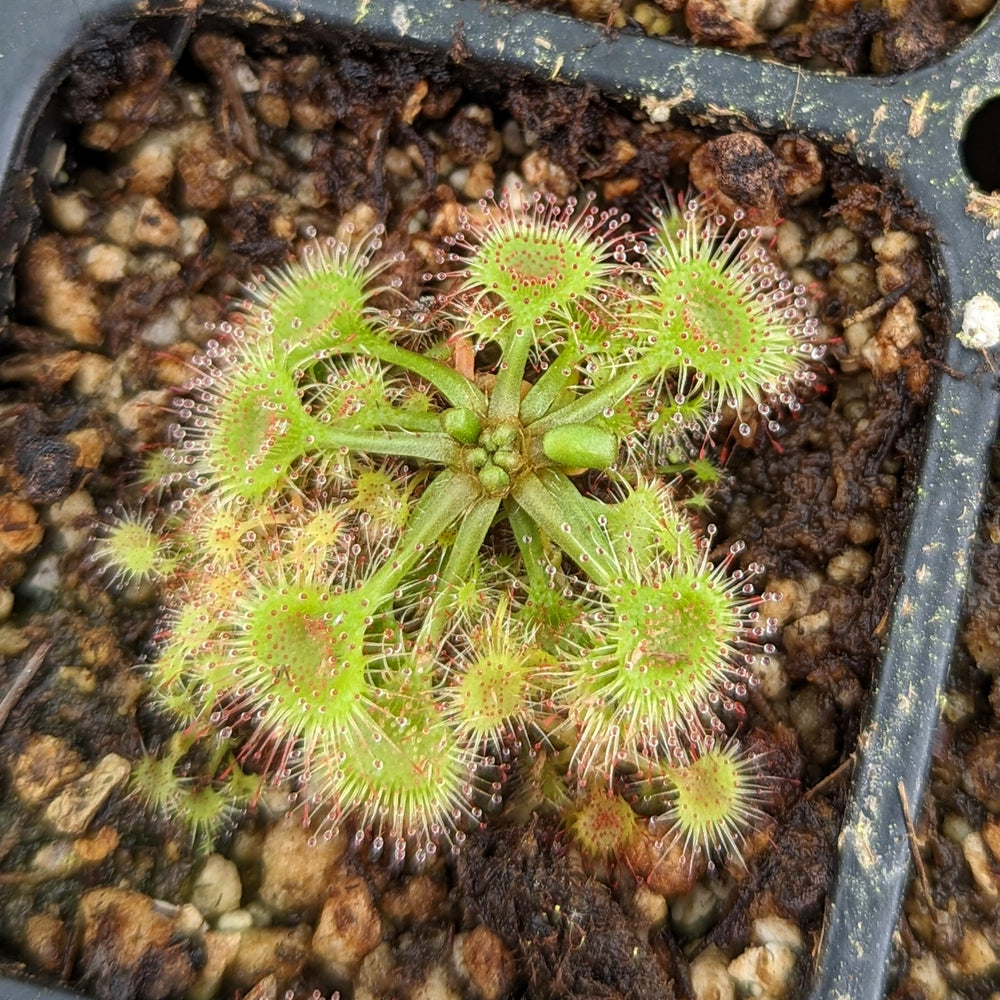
<point>184,166</point>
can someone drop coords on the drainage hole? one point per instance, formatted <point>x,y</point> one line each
<point>980,147</point>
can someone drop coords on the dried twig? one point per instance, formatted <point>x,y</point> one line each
<point>911,835</point>
<point>830,778</point>
<point>21,681</point>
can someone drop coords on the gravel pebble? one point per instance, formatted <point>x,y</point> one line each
<point>484,963</point>
<point>217,888</point>
<point>44,766</point>
<point>349,927</point>
<point>128,944</point>
<point>297,872</point>
<point>73,809</point>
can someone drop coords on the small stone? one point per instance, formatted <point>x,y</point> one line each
<point>42,580</point>
<point>105,262</point>
<point>969,10</point>
<point>808,635</point>
<point>852,566</point>
<point>649,907</point>
<point>544,174</point>
<point>161,331</point>
<point>694,912</point>
<point>481,180</point>
<point>980,323</point>
<point>973,959</point>
<point>349,926</point>
<point>47,942</point>
<point>68,211</point>
<point>56,859</point>
<point>48,370</point>
<point>297,871</point>
<point>145,413</point>
<point>218,888</point>
<point>803,171</point>
<point>790,246</point>
<point>484,963</point>
<point>436,985</point>
<point>813,713</point>
<point>710,23</point>
<point>130,947</point>
<point>234,921</point>
<point>770,672</point>
<point>777,930</point>
<point>151,162</point>
<point>73,809</point>
<point>778,13</point>
<point>710,979</point>
<point>982,765</point>
<point>926,974</point>
<point>219,951</point>
<point>984,874</point>
<point>20,531</point>
<point>155,226</point>
<point>278,951</point>
<point>837,246</point>
<point>46,764</point>
<point>748,11</point>
<point>415,901</point>
<point>991,837</point>
<point>89,444</point>
<point>94,376</point>
<point>273,110</point>
<point>741,171</point>
<point>94,850</point>
<point>376,976</point>
<point>765,971</point>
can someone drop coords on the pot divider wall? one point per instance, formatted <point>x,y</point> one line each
<point>912,128</point>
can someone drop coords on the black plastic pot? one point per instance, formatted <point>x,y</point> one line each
<point>913,128</point>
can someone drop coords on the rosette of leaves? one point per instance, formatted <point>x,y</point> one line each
<point>380,571</point>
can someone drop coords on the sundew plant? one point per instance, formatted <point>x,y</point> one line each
<point>399,550</point>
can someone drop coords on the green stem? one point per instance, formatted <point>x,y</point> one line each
<point>557,508</point>
<point>454,386</point>
<point>416,422</point>
<point>551,383</point>
<point>530,544</point>
<point>434,447</point>
<point>588,405</point>
<point>463,552</point>
<point>469,540</point>
<point>444,501</point>
<point>505,399</point>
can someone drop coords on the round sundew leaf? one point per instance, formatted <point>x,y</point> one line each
<point>356,389</point>
<point>663,648</point>
<point>540,259</point>
<point>714,797</point>
<point>721,313</point>
<point>647,521</point>
<point>602,823</point>
<point>253,430</point>
<point>298,661</point>
<point>132,550</point>
<point>670,638</point>
<point>317,302</point>
<point>490,692</point>
<point>405,774</point>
